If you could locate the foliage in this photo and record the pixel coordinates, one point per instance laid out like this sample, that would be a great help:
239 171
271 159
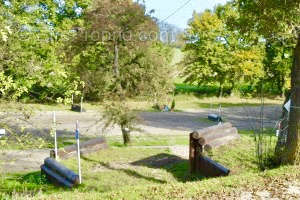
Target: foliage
31 59
278 62
119 113
204 90
17 135
279 21
116 58
215 53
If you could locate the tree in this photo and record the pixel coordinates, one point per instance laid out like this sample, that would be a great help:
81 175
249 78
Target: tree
30 50
277 66
217 54
279 19
116 47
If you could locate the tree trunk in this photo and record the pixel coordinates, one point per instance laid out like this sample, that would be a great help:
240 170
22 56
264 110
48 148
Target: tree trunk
291 155
282 86
125 132
126 135
221 90
232 87
119 88
116 61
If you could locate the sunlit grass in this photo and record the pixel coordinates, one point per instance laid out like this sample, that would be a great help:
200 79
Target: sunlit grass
183 102
135 172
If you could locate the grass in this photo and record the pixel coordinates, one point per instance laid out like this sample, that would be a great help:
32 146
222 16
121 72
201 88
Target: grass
151 140
183 102
194 102
136 172
191 101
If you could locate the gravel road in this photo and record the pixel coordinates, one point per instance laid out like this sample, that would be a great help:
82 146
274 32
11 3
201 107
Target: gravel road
245 118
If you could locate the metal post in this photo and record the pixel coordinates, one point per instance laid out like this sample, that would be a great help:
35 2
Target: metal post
78 150
55 137
72 99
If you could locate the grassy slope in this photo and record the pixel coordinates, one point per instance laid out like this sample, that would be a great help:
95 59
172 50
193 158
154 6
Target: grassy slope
123 173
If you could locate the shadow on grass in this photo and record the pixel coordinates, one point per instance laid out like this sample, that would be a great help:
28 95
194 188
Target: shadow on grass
173 164
129 172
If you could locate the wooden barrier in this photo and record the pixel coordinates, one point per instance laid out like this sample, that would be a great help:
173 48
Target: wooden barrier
87 147
211 168
59 174
211 134
77 108
205 140
215 118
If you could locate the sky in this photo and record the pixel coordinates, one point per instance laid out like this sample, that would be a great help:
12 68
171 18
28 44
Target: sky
164 8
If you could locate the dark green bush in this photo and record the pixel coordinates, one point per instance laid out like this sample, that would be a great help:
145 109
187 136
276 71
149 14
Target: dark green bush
205 90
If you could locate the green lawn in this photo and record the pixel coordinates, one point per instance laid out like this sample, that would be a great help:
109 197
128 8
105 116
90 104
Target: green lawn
194 102
151 140
183 102
137 172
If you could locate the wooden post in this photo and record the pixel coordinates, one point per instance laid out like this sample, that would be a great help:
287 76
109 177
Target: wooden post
196 150
55 136
192 155
78 150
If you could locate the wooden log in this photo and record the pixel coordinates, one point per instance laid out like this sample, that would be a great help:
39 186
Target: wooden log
200 133
211 168
220 142
87 147
219 133
61 170
55 177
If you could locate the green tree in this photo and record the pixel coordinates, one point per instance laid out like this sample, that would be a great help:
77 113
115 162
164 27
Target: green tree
277 65
115 48
279 19
31 36
215 53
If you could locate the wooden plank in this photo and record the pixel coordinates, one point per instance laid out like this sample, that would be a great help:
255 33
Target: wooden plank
211 168
87 147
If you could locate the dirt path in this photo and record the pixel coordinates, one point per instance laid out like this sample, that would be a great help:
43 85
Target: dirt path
21 160
154 122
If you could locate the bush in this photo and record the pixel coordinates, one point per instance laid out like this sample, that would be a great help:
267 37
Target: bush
206 90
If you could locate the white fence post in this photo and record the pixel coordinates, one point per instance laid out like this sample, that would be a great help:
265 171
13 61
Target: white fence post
55 137
81 104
